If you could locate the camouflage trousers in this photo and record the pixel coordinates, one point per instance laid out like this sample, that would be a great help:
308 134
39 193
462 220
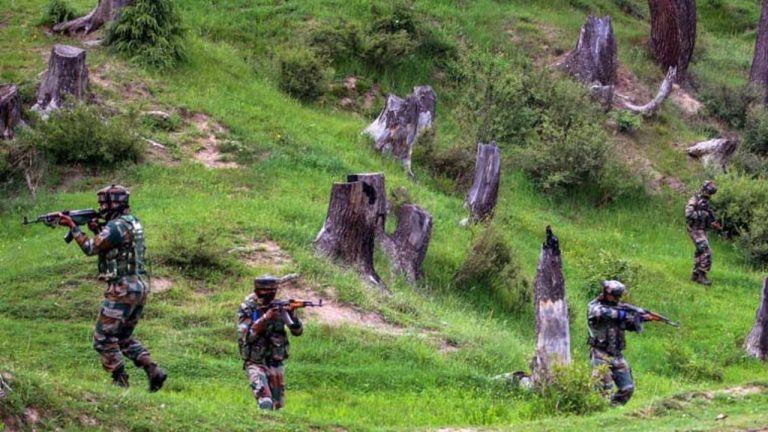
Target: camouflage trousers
120 312
267 384
702 258
613 370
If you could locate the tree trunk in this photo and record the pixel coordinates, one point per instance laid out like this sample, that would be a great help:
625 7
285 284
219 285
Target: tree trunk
595 58
673 33
651 107
398 125
407 247
67 74
104 12
348 233
484 192
379 208
716 151
757 341
10 110
553 338
759 72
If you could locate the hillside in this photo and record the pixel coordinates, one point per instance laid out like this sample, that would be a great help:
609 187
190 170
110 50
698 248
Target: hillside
422 358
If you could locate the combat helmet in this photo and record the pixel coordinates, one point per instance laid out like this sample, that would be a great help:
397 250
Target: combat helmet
111 195
266 283
614 288
708 188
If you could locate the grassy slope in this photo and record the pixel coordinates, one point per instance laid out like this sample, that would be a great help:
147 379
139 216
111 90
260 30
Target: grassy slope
341 376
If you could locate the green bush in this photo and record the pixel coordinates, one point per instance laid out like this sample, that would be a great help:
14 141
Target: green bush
756 130
742 204
627 122
171 123
633 8
572 390
58 11
303 74
150 33
607 266
730 104
681 361
82 135
195 254
492 267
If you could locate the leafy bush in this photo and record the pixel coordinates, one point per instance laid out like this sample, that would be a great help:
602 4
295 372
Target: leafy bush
572 390
82 135
730 104
681 361
627 122
609 267
493 267
195 254
58 11
742 204
170 123
456 163
303 74
149 32
756 130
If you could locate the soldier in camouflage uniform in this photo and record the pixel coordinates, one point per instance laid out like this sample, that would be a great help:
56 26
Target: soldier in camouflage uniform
607 324
264 342
699 217
119 244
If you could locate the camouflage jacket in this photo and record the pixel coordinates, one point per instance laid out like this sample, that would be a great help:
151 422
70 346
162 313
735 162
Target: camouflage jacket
607 325
698 212
120 247
263 341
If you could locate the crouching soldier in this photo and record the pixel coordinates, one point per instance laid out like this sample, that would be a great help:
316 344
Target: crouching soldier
264 341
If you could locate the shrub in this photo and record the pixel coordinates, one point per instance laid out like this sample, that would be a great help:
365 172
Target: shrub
303 74
609 267
756 130
150 33
58 11
681 361
571 390
195 254
730 104
81 135
170 123
492 266
627 122
455 163
742 204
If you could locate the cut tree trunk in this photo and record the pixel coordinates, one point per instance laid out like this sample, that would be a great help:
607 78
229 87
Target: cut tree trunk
759 72
407 247
103 13
595 58
10 110
401 120
379 208
553 338
349 230
482 196
717 152
757 341
673 33
67 74
651 107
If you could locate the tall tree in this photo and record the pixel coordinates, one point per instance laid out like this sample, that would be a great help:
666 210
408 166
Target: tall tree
759 72
673 33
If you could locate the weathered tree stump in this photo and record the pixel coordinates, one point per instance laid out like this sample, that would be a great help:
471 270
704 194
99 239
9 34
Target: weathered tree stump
594 62
651 107
673 33
379 207
759 72
10 110
349 230
757 342
67 74
553 338
396 128
407 246
717 152
104 12
482 196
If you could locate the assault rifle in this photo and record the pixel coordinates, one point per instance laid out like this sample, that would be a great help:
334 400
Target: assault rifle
284 306
648 315
79 217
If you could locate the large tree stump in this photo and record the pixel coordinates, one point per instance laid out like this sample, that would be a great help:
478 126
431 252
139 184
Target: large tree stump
714 152
553 338
349 230
396 128
67 74
104 12
482 196
673 33
379 208
407 246
651 107
759 72
10 109
595 61
757 341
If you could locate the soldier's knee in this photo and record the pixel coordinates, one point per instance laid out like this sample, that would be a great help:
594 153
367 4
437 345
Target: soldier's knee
265 404
623 395
702 247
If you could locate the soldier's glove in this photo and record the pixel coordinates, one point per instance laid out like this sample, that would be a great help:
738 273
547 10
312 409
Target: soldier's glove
716 225
272 314
94 225
66 221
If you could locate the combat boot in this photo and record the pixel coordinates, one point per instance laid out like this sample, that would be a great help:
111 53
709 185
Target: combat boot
120 378
157 377
701 278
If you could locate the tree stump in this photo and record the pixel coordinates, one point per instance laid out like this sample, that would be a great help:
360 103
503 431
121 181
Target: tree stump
349 230
379 207
759 72
67 74
396 128
407 247
595 61
716 151
553 338
757 342
673 33
482 196
10 109
651 107
103 13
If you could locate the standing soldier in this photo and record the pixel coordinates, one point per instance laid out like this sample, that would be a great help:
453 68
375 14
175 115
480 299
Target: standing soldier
264 342
119 244
699 217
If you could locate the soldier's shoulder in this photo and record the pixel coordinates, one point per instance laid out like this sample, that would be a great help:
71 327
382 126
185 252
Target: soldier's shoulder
249 302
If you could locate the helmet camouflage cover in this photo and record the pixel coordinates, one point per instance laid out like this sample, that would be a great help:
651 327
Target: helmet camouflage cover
709 187
266 282
114 194
614 288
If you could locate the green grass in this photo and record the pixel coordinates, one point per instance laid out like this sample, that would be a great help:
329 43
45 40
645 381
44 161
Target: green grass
353 378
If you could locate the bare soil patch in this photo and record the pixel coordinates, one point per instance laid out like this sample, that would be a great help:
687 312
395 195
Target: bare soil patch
208 152
687 103
160 284
263 254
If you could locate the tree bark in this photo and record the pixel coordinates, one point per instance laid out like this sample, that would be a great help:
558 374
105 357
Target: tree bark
349 230
10 110
651 107
398 125
553 338
103 13
716 151
379 208
595 58
67 74
759 72
482 196
757 342
408 246
673 33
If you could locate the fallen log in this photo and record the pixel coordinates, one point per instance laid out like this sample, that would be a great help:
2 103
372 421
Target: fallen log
651 107
717 152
